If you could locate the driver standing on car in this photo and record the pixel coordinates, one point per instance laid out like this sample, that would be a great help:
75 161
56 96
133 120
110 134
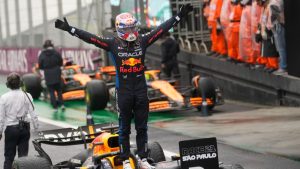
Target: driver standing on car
128 50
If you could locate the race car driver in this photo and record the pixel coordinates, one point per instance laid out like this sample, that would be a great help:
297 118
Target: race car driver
128 50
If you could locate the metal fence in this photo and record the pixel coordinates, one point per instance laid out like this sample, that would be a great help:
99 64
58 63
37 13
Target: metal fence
192 34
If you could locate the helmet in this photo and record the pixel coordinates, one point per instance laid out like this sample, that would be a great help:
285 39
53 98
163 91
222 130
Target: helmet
126 26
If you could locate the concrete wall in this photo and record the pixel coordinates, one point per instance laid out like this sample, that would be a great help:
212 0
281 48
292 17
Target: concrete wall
238 82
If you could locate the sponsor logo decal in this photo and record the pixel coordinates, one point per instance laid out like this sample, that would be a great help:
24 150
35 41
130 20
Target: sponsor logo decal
130 54
199 153
66 136
99 42
155 36
131 61
133 69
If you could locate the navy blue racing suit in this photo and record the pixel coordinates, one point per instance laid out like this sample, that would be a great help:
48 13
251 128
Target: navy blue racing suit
131 88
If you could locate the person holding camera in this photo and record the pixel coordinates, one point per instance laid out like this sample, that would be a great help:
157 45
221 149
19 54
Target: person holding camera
15 106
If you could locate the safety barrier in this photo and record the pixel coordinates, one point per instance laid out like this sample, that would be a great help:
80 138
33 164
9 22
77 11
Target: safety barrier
193 34
237 82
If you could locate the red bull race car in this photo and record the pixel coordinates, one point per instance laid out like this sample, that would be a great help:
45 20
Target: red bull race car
101 151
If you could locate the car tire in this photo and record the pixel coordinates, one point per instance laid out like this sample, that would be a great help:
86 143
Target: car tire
156 152
32 85
31 163
96 94
206 85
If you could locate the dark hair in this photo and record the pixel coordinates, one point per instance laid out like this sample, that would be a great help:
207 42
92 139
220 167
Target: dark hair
13 81
48 43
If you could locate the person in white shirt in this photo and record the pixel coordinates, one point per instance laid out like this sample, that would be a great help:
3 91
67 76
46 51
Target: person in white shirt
15 106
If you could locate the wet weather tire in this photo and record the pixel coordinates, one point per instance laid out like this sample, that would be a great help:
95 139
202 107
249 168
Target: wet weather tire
96 94
156 152
31 163
207 87
32 85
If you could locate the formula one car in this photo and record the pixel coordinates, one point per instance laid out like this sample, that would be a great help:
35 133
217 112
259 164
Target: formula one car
77 83
164 95
101 152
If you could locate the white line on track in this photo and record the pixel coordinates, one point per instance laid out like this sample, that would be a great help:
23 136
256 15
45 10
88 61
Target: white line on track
168 154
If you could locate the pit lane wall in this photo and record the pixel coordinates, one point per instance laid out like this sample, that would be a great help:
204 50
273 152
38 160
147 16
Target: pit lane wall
238 82
22 60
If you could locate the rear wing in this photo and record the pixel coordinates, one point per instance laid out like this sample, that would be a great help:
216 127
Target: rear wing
72 136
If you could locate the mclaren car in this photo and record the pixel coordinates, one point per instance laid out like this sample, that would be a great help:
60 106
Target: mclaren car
77 83
100 151
166 95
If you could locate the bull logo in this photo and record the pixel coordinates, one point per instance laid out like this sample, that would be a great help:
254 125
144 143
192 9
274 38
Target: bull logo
131 61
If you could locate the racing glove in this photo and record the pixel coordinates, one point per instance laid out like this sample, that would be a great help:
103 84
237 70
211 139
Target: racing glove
184 10
64 25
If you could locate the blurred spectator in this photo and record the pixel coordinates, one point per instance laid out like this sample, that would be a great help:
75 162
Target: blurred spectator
234 27
206 8
50 62
265 35
224 18
245 41
15 105
256 13
169 62
217 36
278 29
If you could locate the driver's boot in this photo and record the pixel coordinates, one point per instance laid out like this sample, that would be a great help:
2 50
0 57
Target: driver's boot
126 164
143 164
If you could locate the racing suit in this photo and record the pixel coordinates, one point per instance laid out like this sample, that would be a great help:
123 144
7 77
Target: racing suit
131 88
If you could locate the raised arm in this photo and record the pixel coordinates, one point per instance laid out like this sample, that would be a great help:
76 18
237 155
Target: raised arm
151 37
100 42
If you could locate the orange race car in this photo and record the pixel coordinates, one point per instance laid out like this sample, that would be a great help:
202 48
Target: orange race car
77 83
164 95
